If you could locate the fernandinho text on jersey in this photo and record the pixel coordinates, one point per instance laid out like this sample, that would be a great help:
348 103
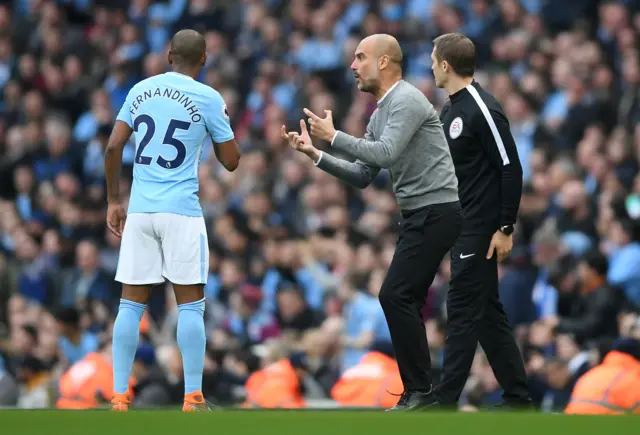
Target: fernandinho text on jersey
173 94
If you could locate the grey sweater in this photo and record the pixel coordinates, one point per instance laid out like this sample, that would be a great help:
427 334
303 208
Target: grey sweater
405 136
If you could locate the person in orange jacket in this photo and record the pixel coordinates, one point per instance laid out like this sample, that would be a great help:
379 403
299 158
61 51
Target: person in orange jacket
278 385
370 383
88 383
613 387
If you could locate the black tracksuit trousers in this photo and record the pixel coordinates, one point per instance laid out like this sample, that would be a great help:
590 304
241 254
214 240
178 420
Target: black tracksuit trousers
428 233
475 315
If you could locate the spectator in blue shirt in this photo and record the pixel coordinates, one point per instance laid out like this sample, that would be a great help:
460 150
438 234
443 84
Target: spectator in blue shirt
87 281
321 52
624 268
72 341
365 323
58 158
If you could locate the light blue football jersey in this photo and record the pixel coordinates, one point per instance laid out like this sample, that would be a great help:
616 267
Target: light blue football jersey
171 114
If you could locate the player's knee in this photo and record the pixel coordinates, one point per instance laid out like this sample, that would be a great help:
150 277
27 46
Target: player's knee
186 294
138 294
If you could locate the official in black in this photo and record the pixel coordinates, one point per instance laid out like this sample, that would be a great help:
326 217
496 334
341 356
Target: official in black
490 185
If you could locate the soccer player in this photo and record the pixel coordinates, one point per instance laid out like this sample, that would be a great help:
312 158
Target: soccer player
165 236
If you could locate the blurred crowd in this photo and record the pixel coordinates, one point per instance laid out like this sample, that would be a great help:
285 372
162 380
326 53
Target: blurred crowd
297 258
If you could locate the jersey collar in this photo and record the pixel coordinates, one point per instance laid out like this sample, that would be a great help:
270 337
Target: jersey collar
177 74
456 96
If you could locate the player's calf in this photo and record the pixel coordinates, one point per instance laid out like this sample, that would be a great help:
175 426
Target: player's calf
192 341
126 334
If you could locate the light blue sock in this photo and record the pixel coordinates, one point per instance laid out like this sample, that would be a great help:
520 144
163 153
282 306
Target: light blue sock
126 333
192 342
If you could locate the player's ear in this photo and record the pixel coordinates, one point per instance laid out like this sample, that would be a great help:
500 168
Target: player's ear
170 58
203 59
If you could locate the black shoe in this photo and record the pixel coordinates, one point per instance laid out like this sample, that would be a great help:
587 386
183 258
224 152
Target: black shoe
415 401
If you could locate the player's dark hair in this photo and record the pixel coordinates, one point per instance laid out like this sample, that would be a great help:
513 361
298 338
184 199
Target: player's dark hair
187 47
458 51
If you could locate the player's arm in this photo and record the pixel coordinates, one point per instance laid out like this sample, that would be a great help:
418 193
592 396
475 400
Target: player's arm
113 165
228 153
219 127
113 159
496 140
405 117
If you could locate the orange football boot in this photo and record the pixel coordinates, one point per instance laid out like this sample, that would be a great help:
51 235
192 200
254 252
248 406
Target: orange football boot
120 402
194 402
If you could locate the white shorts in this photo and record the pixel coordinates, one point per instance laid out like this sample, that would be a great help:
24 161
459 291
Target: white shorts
156 246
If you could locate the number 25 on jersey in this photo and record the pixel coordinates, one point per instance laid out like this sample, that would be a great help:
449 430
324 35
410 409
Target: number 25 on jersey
180 147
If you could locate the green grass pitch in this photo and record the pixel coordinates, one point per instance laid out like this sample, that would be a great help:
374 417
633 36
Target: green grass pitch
308 423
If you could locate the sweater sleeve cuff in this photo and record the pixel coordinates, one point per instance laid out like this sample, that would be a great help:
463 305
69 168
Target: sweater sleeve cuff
341 141
334 137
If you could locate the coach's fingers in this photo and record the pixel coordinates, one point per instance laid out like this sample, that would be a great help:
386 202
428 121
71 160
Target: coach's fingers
301 143
329 114
303 127
285 135
492 248
310 114
312 127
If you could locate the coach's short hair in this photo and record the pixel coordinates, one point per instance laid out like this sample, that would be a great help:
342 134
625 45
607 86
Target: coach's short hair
458 51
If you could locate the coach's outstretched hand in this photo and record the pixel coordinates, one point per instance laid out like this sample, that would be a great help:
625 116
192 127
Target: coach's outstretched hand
301 141
322 128
116 217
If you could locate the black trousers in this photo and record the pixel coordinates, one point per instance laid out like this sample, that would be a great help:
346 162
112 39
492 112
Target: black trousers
475 314
427 235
